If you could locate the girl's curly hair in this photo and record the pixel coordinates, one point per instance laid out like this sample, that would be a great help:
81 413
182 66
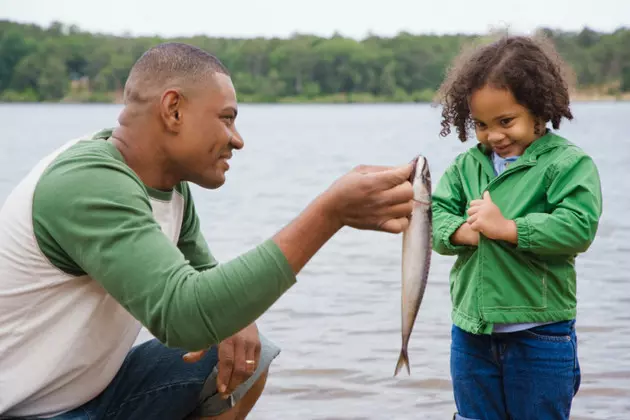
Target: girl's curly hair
529 67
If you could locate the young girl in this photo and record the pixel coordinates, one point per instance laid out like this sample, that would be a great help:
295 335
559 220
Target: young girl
515 209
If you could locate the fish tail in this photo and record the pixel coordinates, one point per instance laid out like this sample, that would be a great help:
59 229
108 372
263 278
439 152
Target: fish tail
403 360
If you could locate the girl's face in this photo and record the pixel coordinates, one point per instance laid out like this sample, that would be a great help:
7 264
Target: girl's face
501 123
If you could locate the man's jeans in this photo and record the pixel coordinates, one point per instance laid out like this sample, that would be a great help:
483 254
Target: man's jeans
531 374
155 383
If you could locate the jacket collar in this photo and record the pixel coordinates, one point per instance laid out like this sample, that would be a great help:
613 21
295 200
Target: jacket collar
545 143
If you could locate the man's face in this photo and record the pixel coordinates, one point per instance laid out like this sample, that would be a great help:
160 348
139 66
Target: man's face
208 133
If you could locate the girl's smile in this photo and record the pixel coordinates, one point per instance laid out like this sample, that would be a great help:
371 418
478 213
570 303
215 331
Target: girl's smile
501 123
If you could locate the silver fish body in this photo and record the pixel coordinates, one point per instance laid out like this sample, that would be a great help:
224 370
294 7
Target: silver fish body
416 254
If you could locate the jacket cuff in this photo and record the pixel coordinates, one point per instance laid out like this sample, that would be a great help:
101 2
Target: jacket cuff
523 232
448 231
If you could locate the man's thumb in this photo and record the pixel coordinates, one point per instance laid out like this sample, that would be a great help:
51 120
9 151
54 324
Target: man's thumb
391 177
486 196
401 173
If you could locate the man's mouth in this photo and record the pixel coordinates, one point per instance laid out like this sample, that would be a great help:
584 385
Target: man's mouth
225 159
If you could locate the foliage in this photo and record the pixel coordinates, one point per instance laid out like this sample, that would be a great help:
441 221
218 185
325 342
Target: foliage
64 63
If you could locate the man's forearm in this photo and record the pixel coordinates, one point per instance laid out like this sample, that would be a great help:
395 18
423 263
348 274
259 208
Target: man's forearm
307 233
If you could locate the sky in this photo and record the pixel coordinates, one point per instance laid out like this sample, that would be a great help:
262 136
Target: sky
351 18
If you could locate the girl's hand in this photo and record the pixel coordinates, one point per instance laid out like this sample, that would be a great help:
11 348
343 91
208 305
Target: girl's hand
486 218
464 235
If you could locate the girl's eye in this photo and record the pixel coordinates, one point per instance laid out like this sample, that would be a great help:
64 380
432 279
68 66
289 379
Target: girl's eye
506 121
480 125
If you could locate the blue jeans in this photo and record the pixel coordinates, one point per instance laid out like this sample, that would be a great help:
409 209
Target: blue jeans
155 383
531 374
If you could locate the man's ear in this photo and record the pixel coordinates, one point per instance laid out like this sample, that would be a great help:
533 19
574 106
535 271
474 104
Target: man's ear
171 110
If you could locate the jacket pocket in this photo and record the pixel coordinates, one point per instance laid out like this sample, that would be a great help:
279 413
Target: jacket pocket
513 280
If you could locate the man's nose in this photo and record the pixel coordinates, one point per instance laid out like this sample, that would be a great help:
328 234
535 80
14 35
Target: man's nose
237 141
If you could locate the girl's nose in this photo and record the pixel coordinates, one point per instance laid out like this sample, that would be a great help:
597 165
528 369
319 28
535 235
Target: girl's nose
495 136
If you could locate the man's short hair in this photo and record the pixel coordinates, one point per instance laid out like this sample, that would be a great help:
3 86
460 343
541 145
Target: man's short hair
169 64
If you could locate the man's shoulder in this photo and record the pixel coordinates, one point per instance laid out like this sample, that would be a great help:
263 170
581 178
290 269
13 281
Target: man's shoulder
85 150
88 166
90 155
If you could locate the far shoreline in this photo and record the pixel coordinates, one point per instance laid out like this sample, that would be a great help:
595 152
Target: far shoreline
339 99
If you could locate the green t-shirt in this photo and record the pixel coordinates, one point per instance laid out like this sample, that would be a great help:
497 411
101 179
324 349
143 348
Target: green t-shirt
92 215
87 253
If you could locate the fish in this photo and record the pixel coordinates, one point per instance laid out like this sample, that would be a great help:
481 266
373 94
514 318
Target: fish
416 254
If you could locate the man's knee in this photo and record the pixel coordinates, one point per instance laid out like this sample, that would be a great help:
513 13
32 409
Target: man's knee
257 389
244 396
242 408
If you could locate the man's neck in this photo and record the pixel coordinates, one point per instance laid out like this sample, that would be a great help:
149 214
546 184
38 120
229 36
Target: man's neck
142 154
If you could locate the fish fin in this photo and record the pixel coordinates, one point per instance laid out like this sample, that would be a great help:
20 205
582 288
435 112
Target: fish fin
403 360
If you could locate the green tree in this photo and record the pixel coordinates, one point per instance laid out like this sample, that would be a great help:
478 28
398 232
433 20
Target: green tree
42 62
625 79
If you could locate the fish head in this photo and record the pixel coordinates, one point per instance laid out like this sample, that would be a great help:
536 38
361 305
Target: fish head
421 178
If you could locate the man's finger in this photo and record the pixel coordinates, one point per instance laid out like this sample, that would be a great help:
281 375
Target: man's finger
367 169
401 193
239 372
395 225
486 196
398 211
225 366
194 356
251 360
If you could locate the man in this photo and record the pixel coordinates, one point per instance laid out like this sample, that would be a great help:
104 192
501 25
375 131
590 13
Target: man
102 237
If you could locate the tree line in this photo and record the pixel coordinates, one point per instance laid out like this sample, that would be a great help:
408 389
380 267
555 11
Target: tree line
63 63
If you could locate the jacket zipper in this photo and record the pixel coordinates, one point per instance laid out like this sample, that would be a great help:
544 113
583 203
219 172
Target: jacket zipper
508 171
480 247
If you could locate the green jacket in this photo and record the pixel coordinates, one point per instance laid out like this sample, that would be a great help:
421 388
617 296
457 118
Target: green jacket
553 194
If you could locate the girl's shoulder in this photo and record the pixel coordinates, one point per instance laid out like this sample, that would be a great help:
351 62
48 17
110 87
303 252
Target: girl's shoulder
559 151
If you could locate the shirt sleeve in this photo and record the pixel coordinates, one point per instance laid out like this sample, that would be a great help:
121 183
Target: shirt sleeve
93 216
448 206
574 193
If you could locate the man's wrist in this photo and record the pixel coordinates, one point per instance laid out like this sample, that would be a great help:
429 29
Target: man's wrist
324 205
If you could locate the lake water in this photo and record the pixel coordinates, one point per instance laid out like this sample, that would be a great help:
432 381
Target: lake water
339 327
